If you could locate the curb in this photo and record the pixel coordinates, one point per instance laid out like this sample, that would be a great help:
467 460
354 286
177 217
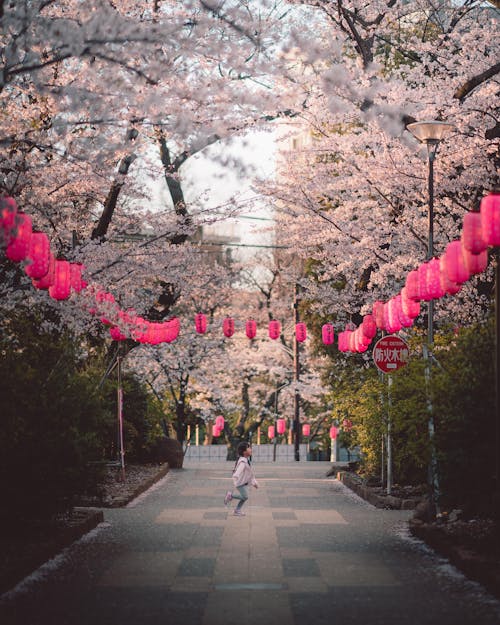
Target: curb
120 502
83 520
475 566
387 502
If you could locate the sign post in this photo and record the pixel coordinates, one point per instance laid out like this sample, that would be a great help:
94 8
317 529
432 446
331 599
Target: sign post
390 353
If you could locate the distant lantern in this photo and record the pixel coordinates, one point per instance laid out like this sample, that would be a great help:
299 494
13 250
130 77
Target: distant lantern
490 219
61 288
173 327
413 286
48 279
378 314
306 429
455 263
20 237
342 342
327 334
333 432
410 307
215 431
108 304
116 334
274 329
38 256
300 332
219 422
251 329
281 426
369 326
228 327
76 277
270 431
434 288
450 287
200 323
472 233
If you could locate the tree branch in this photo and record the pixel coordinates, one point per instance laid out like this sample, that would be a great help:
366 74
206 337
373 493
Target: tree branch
463 91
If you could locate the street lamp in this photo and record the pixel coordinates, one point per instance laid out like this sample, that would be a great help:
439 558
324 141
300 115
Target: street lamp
431 133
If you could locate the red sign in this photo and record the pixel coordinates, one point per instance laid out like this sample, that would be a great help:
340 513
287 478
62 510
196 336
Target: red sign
390 353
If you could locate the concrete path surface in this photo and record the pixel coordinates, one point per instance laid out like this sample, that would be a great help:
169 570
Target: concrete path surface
308 552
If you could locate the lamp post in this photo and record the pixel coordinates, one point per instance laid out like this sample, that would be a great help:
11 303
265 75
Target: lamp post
276 393
296 369
431 133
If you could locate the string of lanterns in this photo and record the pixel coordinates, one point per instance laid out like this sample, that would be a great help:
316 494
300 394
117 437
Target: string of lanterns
433 279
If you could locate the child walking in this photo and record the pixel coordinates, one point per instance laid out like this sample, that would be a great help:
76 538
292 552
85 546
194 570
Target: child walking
242 476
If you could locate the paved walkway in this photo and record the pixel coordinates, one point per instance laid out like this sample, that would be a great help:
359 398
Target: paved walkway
308 552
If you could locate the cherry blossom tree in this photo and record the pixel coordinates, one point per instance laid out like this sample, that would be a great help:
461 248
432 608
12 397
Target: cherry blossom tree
358 202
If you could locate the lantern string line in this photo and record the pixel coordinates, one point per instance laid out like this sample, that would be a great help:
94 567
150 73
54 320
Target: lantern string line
433 279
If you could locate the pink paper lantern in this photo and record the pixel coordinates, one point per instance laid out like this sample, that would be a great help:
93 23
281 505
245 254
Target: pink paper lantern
251 329
38 256
270 432
215 431
422 282
434 288
404 319
219 422
107 304
362 338
306 429
451 288
369 326
76 277
393 324
413 286
333 432
490 219
48 279
410 307
228 327
172 329
274 329
327 334
281 426
475 263
351 338
116 334
300 332
61 287
200 323
472 233
378 314
343 344
455 263
20 237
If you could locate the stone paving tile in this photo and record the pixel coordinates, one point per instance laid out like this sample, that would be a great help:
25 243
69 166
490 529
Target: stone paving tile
300 567
197 567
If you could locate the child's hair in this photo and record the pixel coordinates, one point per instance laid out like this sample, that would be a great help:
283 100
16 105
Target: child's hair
242 447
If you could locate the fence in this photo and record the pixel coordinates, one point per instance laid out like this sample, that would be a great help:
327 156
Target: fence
261 453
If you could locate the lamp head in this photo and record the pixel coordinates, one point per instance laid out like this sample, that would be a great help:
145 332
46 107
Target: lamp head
430 131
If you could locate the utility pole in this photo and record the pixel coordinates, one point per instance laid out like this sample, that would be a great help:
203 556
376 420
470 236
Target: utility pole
296 370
